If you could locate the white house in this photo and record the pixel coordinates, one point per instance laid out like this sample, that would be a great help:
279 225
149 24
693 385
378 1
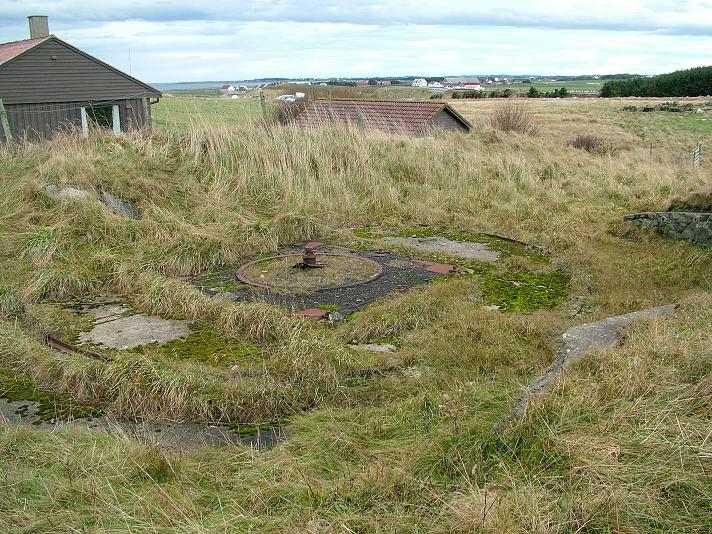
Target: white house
419 82
228 89
435 85
464 82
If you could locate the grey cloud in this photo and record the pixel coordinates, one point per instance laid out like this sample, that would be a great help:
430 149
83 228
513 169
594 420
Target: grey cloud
666 16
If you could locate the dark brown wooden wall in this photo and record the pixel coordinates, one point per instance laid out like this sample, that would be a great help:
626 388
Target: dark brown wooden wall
70 77
35 122
444 120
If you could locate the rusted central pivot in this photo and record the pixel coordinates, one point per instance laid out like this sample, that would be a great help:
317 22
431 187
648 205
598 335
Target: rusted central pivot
309 260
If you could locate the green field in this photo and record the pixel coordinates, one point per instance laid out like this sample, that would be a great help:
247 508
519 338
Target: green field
186 111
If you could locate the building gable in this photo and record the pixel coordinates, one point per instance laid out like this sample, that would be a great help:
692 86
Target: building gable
55 71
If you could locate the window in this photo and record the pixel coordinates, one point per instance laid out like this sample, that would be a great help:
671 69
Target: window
106 117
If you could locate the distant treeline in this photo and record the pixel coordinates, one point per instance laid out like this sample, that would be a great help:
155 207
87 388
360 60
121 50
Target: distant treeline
690 82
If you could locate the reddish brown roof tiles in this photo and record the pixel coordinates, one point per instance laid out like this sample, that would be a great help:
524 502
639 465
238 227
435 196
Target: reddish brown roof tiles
405 117
15 48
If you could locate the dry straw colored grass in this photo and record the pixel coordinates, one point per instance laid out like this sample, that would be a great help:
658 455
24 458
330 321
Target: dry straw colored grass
621 444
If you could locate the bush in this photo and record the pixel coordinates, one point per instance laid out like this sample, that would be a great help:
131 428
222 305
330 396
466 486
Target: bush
285 112
589 143
512 118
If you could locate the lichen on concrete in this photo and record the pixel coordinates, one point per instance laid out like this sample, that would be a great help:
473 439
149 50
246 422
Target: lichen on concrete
135 330
688 226
437 244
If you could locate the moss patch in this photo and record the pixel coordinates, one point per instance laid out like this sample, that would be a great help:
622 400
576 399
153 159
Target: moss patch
59 320
16 387
206 345
525 292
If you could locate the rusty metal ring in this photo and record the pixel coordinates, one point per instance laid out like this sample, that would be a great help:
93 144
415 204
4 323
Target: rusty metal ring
240 273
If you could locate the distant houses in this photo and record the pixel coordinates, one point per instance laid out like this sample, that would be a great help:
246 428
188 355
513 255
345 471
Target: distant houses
463 82
228 89
419 82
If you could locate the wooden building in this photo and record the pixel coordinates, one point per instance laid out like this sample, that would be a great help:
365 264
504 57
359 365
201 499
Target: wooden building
47 85
413 118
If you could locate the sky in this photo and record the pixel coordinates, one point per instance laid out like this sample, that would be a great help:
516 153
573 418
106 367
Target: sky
193 40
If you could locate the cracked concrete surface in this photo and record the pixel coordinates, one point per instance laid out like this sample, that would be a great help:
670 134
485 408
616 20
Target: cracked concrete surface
464 249
580 340
116 326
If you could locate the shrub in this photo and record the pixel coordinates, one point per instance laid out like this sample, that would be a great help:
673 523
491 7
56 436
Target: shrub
285 112
512 118
589 143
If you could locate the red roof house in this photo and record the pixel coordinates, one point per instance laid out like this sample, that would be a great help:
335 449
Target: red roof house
403 117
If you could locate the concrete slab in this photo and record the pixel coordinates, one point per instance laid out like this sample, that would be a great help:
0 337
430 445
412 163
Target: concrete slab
136 330
374 347
579 341
463 249
108 312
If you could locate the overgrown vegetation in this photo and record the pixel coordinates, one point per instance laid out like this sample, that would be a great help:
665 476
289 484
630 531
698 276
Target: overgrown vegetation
410 440
589 143
512 118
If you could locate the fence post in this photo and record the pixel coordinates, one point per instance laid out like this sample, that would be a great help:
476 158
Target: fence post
147 120
263 105
697 155
9 141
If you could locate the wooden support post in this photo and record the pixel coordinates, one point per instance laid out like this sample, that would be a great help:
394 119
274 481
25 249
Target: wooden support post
146 113
9 141
116 119
263 105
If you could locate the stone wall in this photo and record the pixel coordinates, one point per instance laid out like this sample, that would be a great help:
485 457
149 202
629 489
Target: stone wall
693 227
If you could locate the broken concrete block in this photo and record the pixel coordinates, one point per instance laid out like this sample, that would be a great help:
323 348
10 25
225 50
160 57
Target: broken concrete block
118 205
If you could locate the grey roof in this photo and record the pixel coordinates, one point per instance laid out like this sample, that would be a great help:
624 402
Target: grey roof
463 79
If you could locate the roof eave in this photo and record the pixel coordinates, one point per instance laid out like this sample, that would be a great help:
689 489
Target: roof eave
459 117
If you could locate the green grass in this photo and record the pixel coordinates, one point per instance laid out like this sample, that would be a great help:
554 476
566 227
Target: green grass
667 123
573 86
184 112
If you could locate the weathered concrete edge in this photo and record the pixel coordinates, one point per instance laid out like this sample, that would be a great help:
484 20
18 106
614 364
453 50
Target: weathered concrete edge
578 341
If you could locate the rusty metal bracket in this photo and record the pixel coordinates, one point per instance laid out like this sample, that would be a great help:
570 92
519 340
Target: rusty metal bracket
309 260
63 346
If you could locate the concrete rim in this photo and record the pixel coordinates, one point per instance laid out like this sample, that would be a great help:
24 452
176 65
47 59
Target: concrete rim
240 273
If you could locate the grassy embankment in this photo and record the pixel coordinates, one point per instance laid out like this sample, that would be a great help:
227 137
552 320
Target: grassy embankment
621 444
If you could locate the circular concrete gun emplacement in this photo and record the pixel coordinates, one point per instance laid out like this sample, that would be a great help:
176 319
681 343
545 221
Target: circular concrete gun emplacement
309 272
323 281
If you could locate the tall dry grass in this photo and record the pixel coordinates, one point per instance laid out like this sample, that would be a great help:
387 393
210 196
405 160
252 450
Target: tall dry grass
621 444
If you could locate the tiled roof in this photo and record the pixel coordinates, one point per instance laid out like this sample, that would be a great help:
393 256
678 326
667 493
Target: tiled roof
15 48
395 117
